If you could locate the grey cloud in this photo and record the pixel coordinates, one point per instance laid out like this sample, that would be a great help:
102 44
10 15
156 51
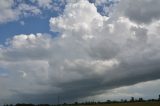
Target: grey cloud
90 56
100 51
141 11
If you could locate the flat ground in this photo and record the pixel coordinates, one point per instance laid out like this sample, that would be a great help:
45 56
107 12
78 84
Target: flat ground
129 104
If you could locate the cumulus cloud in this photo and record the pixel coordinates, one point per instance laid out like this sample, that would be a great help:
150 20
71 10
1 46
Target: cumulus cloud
7 14
141 11
77 20
45 3
92 54
11 11
14 10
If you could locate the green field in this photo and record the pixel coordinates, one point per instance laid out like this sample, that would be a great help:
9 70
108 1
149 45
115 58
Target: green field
129 104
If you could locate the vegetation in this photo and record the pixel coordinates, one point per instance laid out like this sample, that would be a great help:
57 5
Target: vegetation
131 102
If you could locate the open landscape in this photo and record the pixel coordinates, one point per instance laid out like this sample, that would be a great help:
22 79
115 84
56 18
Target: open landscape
129 104
79 52
157 103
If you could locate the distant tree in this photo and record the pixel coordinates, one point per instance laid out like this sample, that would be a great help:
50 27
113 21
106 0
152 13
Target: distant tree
76 103
125 101
132 99
140 100
159 98
24 104
108 101
64 103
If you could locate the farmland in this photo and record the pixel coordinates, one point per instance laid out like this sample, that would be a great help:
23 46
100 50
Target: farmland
128 104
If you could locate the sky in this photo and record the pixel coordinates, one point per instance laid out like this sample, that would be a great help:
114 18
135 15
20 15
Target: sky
79 50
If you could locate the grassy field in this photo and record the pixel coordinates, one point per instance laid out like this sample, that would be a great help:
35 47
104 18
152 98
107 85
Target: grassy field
129 104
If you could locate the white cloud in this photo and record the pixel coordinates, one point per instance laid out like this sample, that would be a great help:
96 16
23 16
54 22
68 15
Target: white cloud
14 10
26 9
6 11
76 19
92 54
45 3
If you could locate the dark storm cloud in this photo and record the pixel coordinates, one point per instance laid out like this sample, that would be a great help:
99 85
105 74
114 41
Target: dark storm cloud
93 54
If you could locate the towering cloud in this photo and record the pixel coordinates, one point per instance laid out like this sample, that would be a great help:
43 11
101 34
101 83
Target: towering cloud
92 54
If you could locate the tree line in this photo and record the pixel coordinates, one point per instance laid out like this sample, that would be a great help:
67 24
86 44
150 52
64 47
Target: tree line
90 102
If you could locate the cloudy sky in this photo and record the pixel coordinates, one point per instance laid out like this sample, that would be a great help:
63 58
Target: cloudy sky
79 50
